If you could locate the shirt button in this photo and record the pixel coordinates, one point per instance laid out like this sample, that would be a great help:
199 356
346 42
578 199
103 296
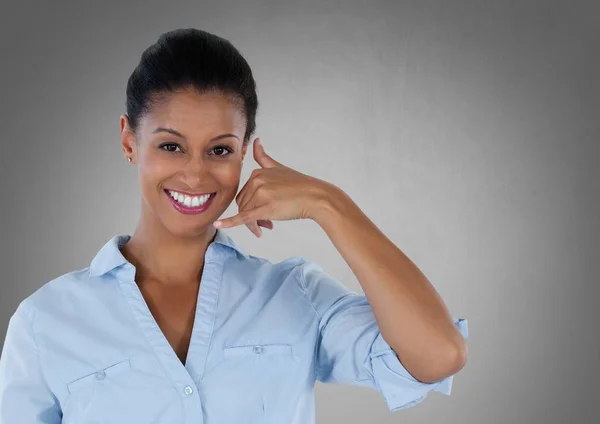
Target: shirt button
257 349
100 375
188 390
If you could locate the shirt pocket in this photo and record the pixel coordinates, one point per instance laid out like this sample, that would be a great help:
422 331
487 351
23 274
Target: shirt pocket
99 376
258 350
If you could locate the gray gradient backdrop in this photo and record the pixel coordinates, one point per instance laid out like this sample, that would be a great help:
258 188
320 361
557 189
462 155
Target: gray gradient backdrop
466 130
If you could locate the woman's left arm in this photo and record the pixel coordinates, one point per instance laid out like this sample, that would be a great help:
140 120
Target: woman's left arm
411 315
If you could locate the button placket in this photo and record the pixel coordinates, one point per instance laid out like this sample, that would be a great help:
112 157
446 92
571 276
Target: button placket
182 376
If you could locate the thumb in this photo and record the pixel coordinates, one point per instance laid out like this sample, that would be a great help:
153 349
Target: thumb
261 157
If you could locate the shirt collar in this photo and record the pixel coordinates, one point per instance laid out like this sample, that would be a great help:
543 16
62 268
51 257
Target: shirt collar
110 257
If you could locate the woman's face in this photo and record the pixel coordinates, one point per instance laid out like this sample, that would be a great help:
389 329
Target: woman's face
205 157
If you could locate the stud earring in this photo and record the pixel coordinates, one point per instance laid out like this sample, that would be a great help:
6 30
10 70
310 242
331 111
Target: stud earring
129 160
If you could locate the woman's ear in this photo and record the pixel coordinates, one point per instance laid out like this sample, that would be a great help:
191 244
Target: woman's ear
244 150
127 137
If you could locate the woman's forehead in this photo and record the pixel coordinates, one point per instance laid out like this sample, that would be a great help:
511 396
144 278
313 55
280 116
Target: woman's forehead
195 112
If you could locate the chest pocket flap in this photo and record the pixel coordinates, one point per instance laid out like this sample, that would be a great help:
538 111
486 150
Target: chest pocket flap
258 350
99 376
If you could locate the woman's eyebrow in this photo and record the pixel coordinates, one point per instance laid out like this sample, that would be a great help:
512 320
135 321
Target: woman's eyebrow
178 134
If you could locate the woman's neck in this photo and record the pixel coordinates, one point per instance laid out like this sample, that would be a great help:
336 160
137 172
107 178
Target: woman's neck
162 257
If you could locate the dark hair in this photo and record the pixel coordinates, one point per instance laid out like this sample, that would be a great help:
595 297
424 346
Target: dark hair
191 58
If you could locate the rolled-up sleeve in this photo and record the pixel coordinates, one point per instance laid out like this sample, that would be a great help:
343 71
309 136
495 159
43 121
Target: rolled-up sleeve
350 348
24 395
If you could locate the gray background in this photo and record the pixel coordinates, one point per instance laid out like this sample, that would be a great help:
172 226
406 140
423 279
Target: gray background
466 130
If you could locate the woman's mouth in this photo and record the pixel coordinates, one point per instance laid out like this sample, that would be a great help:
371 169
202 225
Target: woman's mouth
189 204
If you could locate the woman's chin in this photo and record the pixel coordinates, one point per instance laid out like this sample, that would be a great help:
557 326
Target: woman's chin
190 228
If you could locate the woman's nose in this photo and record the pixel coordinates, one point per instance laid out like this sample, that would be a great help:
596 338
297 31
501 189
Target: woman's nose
196 172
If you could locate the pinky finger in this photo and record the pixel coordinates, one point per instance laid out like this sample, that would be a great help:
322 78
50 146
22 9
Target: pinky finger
266 223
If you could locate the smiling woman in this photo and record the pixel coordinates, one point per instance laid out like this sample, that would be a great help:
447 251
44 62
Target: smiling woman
177 324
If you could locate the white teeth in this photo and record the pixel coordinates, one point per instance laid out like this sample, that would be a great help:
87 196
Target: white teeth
189 201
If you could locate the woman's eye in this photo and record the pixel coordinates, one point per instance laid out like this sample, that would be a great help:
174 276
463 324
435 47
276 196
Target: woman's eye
171 147
221 148
168 144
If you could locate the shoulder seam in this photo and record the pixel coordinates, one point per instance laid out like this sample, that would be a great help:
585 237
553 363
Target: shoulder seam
26 310
303 288
301 283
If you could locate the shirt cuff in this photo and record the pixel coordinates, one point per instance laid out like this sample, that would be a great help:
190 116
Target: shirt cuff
400 389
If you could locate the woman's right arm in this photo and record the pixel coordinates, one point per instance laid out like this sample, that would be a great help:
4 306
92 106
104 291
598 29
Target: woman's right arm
25 398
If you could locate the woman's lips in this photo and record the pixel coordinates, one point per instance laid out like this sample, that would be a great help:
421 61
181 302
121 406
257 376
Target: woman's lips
191 209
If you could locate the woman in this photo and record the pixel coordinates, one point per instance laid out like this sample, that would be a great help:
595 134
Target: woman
177 324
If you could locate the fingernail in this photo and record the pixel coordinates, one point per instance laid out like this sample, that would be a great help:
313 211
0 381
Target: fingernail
217 223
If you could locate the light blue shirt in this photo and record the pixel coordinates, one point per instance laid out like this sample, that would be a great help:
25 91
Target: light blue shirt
85 348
